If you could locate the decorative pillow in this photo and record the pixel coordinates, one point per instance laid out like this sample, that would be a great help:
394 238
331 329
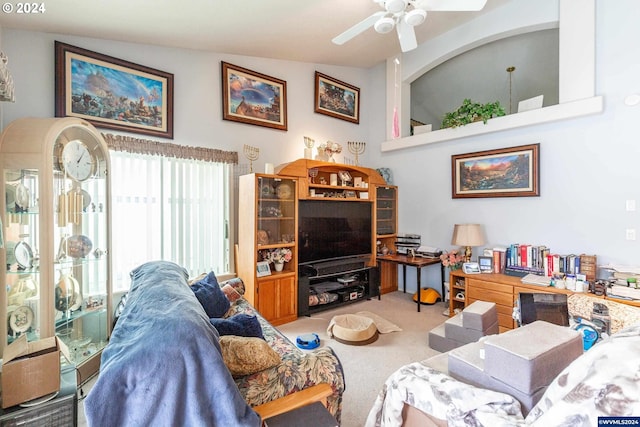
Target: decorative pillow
210 295
245 356
231 293
242 325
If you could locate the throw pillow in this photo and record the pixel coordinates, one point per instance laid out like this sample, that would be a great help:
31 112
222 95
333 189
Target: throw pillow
210 295
242 325
231 293
245 356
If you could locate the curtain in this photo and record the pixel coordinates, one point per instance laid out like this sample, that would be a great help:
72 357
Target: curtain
170 208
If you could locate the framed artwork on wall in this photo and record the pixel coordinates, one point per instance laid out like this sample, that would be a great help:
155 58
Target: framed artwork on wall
112 93
505 172
336 99
253 98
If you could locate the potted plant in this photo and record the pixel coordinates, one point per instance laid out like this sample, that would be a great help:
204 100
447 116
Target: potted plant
278 257
470 112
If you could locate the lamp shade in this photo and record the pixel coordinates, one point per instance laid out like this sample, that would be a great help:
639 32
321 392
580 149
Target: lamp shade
467 235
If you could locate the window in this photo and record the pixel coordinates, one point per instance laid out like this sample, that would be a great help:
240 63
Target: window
171 209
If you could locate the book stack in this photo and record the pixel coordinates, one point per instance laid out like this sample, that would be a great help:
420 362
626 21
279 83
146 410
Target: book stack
519 259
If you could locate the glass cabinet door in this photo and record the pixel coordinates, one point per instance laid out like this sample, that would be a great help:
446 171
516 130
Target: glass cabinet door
55 226
386 211
276 220
80 244
21 240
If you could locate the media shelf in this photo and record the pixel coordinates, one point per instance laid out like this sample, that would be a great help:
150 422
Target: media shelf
332 286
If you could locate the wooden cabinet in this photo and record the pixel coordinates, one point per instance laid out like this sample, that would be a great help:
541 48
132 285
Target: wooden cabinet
500 289
386 223
277 298
56 223
268 223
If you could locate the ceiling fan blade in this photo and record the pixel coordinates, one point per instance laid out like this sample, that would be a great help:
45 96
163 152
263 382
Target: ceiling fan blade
450 5
358 28
407 36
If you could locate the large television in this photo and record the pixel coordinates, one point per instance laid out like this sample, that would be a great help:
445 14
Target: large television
333 229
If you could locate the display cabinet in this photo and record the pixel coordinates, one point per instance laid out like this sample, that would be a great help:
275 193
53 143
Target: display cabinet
386 223
267 232
56 228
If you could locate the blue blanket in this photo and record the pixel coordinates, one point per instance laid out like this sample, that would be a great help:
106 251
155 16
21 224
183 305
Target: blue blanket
163 366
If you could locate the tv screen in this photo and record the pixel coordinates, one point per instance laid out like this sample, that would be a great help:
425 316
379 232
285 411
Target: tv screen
331 229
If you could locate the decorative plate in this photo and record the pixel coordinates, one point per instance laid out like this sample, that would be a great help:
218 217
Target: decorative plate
23 196
10 196
21 319
23 255
386 175
39 400
284 191
78 246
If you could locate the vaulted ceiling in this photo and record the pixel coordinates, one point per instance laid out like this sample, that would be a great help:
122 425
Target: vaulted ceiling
297 30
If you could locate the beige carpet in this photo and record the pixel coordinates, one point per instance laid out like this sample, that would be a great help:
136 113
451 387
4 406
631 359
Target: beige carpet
367 367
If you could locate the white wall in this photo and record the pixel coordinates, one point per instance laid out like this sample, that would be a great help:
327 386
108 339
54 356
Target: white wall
197 100
588 167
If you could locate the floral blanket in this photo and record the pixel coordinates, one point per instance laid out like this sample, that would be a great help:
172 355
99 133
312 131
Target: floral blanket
297 371
604 381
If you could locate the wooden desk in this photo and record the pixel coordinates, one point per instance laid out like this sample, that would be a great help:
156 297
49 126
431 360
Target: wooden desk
418 263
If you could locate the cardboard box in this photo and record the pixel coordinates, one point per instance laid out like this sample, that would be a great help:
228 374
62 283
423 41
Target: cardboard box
31 369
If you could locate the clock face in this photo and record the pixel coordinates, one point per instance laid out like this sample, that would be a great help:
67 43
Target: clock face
77 161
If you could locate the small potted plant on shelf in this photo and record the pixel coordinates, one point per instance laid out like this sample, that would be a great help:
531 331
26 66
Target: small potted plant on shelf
278 257
470 112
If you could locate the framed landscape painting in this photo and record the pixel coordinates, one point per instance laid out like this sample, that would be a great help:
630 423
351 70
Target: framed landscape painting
505 172
337 99
253 98
112 93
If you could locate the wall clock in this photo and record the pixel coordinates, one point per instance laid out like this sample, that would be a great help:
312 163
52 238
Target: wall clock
77 161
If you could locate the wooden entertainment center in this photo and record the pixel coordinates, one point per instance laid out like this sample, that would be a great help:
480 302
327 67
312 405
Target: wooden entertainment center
498 288
269 220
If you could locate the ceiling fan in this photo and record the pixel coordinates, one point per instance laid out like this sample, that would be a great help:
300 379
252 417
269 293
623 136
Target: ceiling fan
404 15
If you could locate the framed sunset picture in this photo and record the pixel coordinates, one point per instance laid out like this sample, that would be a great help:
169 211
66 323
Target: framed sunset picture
505 172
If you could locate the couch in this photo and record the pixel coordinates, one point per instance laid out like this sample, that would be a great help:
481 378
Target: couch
603 381
166 364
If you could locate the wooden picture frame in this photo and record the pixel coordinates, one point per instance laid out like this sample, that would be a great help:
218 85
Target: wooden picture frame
505 172
112 93
336 98
253 98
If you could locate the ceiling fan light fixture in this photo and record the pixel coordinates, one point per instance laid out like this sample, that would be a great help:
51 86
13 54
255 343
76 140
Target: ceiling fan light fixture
384 25
415 17
395 6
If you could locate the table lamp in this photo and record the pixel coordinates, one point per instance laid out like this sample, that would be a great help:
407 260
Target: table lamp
467 235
